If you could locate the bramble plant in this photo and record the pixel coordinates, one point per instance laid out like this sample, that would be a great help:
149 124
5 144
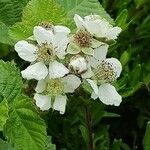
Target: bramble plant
68 72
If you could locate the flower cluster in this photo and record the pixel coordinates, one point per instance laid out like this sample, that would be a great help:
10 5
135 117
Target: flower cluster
61 60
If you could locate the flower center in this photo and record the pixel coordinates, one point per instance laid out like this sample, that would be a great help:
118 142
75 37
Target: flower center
105 73
83 38
54 87
46 25
46 54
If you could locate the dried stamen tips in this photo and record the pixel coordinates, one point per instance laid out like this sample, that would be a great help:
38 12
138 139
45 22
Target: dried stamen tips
45 53
105 73
83 38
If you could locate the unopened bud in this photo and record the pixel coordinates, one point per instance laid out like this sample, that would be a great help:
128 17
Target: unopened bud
78 64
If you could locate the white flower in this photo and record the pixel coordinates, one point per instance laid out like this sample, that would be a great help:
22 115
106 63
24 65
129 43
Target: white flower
106 93
97 26
83 41
78 64
51 92
50 45
103 75
93 61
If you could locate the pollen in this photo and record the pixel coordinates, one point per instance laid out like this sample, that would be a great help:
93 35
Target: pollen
105 73
54 87
83 38
46 25
45 54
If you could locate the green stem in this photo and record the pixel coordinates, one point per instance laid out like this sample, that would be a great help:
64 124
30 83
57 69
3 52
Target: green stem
89 126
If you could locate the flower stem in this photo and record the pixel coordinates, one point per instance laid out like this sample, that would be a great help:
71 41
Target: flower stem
89 126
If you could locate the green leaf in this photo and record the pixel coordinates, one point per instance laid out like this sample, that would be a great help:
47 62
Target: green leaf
83 8
84 133
35 13
125 57
119 145
4 109
86 86
4 36
139 3
146 141
10 80
11 11
146 79
6 146
49 145
122 18
24 127
135 75
101 138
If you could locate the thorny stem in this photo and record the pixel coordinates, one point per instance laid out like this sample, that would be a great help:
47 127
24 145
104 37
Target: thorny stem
89 126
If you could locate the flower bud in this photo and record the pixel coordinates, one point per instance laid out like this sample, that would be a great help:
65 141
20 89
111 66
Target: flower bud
78 64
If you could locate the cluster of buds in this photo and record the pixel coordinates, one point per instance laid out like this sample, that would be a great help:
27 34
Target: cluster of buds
61 60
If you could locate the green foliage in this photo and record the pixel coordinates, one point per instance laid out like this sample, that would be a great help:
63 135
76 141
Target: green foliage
114 128
10 80
6 146
146 141
119 145
4 37
35 13
11 11
101 138
4 109
139 3
125 57
84 133
122 19
50 11
49 145
24 127
83 8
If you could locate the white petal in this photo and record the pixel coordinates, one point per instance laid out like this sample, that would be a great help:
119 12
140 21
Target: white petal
26 51
71 82
79 21
87 74
101 52
116 65
60 103
60 44
108 95
37 71
113 33
43 101
57 70
92 27
93 62
40 86
61 29
93 85
97 27
92 17
42 35
94 96
95 43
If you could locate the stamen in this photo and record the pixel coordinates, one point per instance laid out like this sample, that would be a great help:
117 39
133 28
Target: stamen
45 53
83 38
105 73
54 87
46 25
